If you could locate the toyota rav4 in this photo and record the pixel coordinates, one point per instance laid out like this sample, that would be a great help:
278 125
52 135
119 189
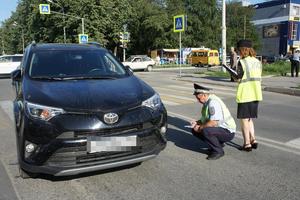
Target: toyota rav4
78 109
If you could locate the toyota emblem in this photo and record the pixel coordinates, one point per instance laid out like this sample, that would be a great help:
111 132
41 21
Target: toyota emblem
111 118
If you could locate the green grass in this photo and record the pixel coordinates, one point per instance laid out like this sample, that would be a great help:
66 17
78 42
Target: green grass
280 68
214 74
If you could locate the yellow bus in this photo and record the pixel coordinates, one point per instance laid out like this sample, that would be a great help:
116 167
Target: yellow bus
204 57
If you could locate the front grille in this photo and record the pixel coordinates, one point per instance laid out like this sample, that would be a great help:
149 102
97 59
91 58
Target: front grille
108 131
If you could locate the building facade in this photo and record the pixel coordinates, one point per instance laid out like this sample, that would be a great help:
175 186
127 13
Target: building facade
278 25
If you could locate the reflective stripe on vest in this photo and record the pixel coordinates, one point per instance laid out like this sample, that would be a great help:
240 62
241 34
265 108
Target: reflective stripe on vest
227 122
247 71
249 88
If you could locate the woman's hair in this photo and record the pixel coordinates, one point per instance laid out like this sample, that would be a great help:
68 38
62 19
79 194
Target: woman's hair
245 51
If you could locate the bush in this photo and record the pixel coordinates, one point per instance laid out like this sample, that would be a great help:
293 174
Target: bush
277 68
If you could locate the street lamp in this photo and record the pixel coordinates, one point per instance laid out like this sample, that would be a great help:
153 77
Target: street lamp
23 41
63 11
64 14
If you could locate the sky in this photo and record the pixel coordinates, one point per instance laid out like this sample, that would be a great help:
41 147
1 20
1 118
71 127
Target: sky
8 6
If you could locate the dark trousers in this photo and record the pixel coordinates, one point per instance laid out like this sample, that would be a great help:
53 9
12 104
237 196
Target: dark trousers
214 137
295 67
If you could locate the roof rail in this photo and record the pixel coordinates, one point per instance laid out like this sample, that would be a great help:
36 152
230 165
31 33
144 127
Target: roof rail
97 44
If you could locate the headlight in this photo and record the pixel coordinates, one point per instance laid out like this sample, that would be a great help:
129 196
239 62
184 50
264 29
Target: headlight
153 102
42 112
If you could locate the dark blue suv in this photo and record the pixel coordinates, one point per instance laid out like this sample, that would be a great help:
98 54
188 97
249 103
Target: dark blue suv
78 109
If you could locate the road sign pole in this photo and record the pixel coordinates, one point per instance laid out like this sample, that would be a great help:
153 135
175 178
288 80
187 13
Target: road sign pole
179 54
82 20
179 26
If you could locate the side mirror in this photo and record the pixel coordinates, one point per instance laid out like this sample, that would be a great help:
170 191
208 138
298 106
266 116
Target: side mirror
16 75
129 69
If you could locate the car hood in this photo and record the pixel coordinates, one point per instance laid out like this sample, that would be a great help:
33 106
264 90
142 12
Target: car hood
89 95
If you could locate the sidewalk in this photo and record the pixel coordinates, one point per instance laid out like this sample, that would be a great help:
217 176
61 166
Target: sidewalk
284 85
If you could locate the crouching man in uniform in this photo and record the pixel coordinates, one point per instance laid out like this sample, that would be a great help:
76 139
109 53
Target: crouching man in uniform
216 124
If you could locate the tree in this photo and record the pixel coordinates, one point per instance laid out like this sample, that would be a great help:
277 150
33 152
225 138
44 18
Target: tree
237 17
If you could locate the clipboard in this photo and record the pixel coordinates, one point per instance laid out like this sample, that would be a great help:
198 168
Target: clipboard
231 71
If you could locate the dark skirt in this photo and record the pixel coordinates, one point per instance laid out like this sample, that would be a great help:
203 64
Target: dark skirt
247 110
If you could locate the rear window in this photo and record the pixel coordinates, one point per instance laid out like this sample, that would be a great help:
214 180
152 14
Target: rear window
74 63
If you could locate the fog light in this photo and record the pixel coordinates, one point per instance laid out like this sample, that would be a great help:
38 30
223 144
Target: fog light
29 148
163 130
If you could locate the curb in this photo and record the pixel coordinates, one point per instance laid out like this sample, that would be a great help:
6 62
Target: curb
280 90
289 91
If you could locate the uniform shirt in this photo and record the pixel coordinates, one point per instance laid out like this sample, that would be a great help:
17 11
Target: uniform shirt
296 56
216 114
215 110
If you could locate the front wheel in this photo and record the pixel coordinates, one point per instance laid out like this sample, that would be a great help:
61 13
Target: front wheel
149 68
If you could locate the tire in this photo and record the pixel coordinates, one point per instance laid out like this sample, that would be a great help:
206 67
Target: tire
149 68
25 175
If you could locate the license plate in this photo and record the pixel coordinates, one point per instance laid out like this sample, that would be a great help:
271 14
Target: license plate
103 144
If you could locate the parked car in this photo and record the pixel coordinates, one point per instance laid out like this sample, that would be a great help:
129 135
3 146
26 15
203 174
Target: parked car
140 62
78 109
9 63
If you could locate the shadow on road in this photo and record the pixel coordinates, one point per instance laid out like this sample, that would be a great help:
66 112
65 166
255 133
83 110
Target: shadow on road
183 138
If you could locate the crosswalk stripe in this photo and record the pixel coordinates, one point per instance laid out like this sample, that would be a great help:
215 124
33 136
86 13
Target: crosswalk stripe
170 103
175 100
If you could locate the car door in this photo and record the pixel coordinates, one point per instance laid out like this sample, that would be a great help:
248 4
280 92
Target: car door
136 63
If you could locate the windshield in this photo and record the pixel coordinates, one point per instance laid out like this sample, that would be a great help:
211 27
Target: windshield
75 64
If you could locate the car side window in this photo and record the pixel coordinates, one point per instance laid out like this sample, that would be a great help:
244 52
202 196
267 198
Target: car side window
146 59
137 60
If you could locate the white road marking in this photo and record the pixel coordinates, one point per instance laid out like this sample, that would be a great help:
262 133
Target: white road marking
179 97
166 102
295 142
295 145
7 106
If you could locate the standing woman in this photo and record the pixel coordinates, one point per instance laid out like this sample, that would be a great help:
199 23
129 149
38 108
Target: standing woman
248 92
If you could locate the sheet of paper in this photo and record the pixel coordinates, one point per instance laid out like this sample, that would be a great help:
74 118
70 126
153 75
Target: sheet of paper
231 71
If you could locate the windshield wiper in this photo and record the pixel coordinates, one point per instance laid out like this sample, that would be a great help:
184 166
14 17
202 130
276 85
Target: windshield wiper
87 77
47 78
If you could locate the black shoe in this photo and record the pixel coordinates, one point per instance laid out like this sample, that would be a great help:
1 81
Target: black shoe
254 144
222 144
246 147
215 156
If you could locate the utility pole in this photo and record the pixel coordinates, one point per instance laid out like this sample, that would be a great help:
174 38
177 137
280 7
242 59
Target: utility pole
223 34
123 43
245 26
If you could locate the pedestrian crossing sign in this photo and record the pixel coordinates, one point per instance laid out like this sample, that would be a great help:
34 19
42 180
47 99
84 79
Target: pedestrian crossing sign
45 9
83 38
179 23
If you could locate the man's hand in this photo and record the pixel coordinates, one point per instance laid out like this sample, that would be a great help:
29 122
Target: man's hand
193 124
197 128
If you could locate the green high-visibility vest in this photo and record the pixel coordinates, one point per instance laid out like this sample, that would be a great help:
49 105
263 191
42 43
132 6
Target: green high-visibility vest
249 88
227 122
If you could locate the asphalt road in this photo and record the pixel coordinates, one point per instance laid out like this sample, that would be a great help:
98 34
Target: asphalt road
181 171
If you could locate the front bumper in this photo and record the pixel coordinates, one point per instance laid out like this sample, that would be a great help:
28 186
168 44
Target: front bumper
62 149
